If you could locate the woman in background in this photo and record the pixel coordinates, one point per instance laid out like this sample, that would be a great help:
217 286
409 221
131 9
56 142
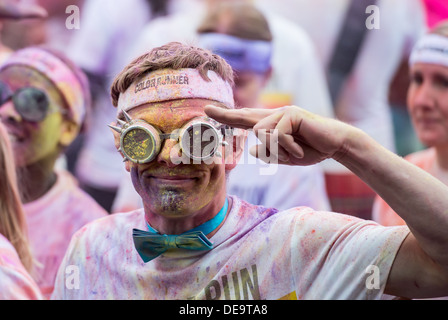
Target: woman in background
427 102
44 100
15 256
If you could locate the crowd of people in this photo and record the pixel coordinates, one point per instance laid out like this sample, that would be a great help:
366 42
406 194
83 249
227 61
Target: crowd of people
254 149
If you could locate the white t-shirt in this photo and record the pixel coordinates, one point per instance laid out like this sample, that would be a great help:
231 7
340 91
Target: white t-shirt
52 220
258 253
15 281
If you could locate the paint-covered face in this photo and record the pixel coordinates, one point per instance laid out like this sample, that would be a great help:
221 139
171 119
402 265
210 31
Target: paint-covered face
177 190
428 103
32 141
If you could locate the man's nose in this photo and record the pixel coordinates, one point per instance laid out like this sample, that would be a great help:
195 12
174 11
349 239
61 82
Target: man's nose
170 153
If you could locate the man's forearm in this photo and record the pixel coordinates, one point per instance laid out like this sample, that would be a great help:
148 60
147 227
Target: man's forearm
420 199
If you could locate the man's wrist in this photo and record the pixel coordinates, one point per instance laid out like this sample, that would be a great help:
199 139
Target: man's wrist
356 151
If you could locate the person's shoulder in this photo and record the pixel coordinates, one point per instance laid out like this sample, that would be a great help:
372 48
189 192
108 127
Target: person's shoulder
325 220
245 208
78 198
111 225
5 244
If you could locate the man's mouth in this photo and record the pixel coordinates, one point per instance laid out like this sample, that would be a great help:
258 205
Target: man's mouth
173 179
170 177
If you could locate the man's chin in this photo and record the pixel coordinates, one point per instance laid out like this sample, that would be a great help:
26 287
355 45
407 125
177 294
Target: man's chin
170 202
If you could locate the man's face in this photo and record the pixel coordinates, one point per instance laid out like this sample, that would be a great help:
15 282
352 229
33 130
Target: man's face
176 190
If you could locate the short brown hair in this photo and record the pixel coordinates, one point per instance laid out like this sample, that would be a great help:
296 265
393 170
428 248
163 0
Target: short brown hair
242 20
173 55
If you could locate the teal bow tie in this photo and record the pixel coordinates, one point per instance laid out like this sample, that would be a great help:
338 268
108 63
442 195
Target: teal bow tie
151 244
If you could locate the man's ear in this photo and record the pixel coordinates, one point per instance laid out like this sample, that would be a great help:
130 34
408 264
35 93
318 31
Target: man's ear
127 165
69 132
234 150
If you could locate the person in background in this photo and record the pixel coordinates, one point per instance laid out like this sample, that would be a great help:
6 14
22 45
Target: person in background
16 260
240 34
44 101
11 10
427 102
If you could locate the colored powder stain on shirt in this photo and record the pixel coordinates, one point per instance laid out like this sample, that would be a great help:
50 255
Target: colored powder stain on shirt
15 281
52 220
291 261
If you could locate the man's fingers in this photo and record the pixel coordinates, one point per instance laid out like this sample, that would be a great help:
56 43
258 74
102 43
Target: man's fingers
239 118
290 145
283 126
287 128
270 147
259 151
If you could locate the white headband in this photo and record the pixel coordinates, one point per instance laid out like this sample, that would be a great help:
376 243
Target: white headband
241 54
170 84
432 48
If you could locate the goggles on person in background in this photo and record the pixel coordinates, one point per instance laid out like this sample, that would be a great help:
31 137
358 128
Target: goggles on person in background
31 103
59 73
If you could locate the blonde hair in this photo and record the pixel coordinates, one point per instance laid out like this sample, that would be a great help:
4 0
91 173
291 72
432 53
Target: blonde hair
12 216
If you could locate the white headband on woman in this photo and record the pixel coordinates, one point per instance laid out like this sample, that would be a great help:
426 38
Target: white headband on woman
169 84
59 74
431 48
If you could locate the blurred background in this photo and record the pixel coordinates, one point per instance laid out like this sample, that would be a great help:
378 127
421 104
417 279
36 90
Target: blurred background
366 51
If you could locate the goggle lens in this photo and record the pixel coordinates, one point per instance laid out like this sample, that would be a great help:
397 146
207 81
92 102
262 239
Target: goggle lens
139 145
202 141
141 142
31 104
